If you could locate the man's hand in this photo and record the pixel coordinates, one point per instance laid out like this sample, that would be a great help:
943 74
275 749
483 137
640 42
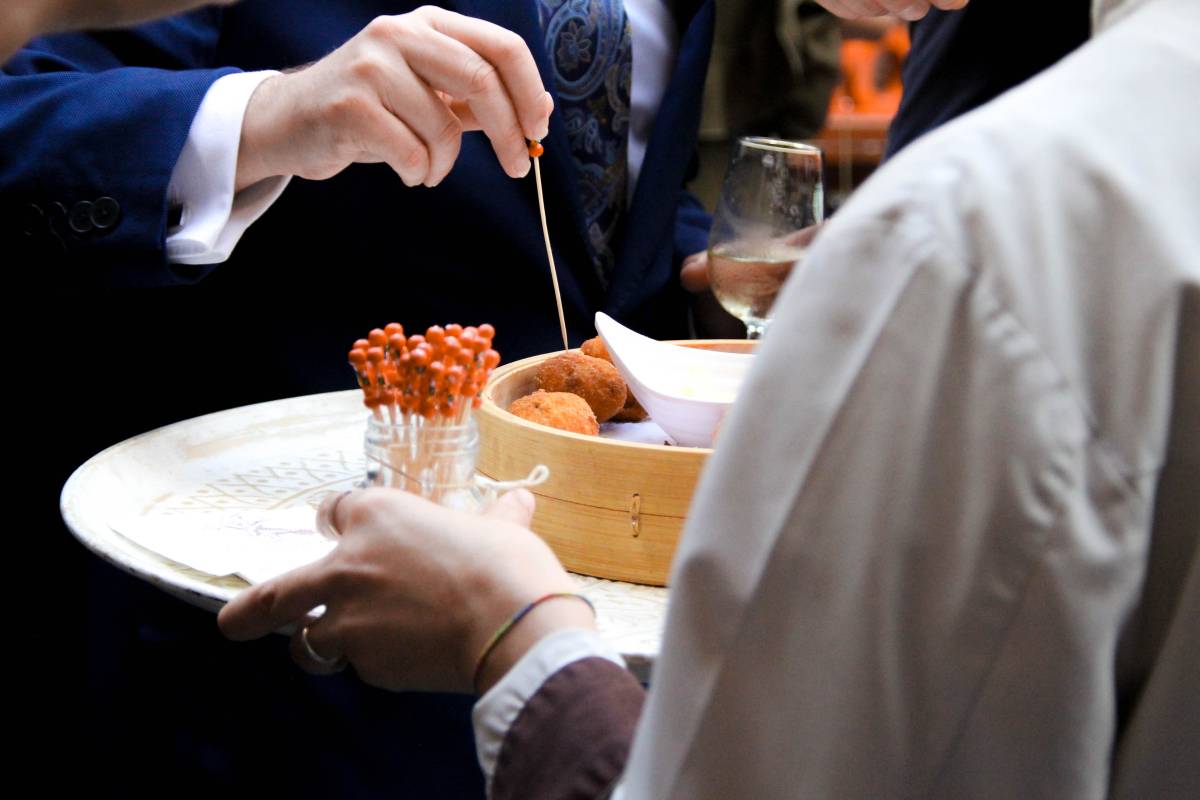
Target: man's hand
402 91
905 9
693 272
414 591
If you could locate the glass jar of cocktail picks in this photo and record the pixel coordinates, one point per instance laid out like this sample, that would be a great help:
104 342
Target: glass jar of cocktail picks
421 436
436 461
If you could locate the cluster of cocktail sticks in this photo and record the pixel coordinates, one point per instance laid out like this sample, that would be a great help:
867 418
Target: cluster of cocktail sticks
436 378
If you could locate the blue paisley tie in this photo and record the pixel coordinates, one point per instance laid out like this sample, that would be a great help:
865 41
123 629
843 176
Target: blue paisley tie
589 44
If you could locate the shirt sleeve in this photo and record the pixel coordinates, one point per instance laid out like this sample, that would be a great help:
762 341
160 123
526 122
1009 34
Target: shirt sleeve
538 673
213 216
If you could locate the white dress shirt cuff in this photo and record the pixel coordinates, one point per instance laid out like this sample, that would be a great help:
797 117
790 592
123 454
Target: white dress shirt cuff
214 217
496 710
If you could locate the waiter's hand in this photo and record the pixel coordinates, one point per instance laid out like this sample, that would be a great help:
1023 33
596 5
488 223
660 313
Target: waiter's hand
402 92
905 9
414 591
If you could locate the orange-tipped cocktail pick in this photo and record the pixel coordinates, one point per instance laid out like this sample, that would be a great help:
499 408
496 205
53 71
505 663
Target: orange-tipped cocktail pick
535 152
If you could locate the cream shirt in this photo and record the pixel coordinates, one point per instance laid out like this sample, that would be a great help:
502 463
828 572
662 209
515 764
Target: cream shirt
947 546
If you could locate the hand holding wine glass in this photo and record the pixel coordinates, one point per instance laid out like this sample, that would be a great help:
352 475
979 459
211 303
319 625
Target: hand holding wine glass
770 208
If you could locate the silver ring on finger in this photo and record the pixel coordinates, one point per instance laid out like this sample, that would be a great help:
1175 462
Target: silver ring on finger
334 664
325 514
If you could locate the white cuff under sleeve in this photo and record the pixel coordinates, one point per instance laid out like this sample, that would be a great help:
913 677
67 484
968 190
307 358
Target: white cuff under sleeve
496 710
213 216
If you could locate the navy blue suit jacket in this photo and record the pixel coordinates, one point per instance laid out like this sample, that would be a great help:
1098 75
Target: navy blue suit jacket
106 114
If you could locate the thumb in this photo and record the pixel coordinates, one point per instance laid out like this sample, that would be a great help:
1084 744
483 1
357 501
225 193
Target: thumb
515 506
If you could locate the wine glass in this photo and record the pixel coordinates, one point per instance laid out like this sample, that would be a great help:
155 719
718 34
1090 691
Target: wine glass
771 205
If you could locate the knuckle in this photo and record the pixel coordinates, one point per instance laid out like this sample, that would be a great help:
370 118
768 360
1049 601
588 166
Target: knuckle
378 509
510 47
481 77
366 68
267 599
348 105
383 28
451 132
366 508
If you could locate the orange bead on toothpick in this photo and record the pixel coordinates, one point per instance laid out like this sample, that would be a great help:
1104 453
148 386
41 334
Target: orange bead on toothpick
372 391
358 362
423 380
397 346
535 148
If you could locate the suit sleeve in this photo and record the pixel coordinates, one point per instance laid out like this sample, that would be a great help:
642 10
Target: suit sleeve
692 222
91 126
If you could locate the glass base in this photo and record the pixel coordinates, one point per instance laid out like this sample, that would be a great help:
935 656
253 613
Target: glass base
755 328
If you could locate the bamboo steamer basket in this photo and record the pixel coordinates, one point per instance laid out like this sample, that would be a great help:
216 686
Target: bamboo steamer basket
610 509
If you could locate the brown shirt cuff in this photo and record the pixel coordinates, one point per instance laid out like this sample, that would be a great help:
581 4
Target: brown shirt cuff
572 738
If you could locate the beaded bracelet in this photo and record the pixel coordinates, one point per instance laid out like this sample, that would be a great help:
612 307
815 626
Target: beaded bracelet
503 630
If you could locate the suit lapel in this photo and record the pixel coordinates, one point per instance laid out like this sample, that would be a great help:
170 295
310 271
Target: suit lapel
672 146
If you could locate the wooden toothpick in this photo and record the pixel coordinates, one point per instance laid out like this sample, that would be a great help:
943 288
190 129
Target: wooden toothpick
535 150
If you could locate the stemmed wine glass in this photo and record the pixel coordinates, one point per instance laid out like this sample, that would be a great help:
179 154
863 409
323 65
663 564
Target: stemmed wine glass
771 205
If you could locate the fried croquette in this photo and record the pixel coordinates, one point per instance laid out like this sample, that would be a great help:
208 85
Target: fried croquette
595 348
594 379
562 410
632 411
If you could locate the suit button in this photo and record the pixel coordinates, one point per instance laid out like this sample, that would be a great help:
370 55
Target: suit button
56 218
105 213
33 220
80 219
56 221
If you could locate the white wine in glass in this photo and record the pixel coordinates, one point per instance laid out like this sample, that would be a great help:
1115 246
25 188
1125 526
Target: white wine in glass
770 208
